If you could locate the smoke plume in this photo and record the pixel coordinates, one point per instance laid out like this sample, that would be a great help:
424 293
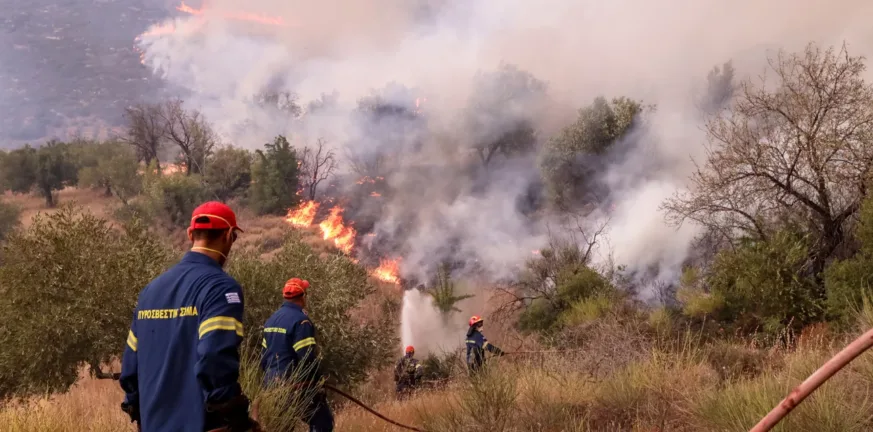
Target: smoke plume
398 51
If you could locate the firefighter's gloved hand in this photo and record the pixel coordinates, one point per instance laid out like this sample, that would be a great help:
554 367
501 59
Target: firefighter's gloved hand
235 413
132 411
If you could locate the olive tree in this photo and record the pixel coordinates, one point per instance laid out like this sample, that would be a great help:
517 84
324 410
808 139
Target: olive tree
68 286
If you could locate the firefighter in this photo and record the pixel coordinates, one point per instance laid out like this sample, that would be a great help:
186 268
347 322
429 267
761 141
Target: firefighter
289 349
477 344
180 368
407 373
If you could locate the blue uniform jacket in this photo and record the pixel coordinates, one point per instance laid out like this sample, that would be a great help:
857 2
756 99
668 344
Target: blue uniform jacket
183 346
289 346
476 346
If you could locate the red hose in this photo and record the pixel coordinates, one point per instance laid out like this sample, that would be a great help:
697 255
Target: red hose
849 353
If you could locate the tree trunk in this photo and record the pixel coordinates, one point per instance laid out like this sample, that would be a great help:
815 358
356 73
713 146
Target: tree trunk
49 199
108 191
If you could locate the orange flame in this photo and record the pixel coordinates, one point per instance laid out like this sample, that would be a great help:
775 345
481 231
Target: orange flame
375 194
159 29
388 271
333 229
303 215
242 16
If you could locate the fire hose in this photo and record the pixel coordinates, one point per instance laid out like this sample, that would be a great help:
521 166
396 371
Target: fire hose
799 393
371 410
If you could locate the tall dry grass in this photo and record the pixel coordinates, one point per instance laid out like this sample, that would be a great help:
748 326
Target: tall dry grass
682 384
91 405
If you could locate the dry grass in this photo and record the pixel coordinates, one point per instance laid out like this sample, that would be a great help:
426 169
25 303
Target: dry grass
91 405
677 390
97 203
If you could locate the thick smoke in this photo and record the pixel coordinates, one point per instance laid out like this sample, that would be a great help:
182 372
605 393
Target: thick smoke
441 209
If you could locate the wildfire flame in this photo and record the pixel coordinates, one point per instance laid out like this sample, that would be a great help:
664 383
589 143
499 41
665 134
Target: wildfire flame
375 194
159 29
169 28
388 270
241 16
303 215
333 229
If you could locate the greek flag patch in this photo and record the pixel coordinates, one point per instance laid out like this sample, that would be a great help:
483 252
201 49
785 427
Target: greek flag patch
232 297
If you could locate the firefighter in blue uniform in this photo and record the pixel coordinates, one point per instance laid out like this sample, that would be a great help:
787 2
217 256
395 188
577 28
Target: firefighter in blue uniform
290 352
477 344
180 367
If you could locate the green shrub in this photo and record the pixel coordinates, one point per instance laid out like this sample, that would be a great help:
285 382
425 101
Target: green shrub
10 216
586 310
68 286
275 179
351 350
567 291
173 197
765 285
848 281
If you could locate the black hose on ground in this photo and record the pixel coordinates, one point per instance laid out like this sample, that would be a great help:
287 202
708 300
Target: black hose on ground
371 410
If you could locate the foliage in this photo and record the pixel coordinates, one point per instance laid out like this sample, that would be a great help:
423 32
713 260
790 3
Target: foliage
228 172
112 167
146 131
68 284
10 216
44 170
173 197
190 132
720 89
848 281
694 300
766 284
3 156
792 152
501 111
281 404
444 294
556 281
18 171
567 160
275 178
350 350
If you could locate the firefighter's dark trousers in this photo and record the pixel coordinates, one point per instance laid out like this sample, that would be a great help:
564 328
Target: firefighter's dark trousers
318 415
404 389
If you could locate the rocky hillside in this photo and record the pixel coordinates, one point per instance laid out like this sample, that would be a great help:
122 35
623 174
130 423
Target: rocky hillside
68 67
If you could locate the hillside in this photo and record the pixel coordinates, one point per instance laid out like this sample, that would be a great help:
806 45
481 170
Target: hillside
68 68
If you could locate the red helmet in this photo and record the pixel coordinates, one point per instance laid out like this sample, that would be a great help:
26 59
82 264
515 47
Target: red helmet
475 319
294 288
410 349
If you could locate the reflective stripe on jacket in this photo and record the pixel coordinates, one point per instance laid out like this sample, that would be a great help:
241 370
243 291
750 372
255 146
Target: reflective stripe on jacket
182 349
289 346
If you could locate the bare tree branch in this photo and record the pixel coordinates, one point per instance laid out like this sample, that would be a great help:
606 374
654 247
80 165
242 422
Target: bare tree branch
317 164
797 152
